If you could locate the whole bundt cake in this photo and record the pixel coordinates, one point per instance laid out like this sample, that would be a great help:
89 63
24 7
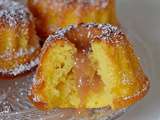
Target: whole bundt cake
19 43
88 66
51 14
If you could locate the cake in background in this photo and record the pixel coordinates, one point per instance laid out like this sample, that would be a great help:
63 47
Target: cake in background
88 66
19 43
51 14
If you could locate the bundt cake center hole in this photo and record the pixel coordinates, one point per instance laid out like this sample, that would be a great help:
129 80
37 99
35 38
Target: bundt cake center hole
79 37
85 72
86 76
83 46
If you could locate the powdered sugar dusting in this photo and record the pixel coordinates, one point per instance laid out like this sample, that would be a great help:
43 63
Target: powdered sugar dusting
108 32
21 52
60 33
21 68
144 89
13 13
36 82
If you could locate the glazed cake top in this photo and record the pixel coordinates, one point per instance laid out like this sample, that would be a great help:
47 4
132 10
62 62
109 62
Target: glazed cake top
13 13
107 32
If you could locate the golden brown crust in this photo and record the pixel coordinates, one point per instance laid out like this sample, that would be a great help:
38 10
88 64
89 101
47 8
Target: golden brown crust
127 101
28 60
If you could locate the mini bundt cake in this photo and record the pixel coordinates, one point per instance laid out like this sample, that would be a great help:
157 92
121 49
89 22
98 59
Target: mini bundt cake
51 14
19 43
88 66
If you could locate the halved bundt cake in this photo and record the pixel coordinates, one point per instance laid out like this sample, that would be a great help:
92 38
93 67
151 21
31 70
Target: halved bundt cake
88 66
